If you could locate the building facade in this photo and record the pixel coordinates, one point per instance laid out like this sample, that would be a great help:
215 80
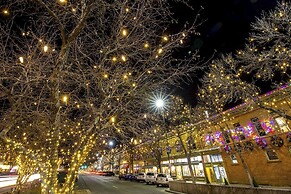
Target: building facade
245 139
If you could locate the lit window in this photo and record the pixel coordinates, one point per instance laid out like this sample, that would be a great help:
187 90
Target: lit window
233 159
282 124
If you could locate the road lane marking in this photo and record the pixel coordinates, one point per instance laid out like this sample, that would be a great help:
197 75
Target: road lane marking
115 187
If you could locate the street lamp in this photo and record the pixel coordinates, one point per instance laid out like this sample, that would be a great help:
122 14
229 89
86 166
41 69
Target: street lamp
160 106
160 103
110 143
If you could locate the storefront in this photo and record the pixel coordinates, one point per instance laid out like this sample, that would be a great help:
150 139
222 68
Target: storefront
214 168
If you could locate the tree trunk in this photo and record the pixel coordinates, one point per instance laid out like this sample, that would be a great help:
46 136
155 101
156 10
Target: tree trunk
188 156
241 158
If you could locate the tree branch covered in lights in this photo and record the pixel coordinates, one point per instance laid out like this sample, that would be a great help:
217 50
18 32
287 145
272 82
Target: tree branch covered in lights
73 72
235 78
267 54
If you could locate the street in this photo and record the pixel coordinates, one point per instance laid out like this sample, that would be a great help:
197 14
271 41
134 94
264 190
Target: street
7 181
112 185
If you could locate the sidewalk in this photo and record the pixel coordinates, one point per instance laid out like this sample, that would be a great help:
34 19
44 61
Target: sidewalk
236 185
81 187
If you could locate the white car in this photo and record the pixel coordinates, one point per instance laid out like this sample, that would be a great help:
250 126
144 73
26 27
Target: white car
163 179
141 176
151 178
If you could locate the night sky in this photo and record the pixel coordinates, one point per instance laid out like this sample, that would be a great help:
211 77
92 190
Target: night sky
225 30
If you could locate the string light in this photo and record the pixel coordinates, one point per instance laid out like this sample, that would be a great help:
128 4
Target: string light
112 119
63 1
45 48
124 32
5 11
165 38
114 59
65 98
123 58
21 59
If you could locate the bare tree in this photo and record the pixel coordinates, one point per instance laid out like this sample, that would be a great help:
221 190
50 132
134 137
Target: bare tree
177 119
266 57
74 71
267 52
235 78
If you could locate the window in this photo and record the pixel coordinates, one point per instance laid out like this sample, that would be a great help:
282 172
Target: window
272 155
181 160
233 159
216 158
206 158
198 170
282 124
186 171
196 159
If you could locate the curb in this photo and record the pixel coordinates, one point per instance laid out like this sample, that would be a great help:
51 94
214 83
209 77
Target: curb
83 191
175 192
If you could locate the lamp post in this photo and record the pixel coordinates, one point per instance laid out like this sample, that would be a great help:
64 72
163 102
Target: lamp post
111 155
160 105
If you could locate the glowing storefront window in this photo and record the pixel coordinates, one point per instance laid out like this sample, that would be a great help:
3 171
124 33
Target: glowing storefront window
233 159
216 158
198 170
181 160
282 124
186 171
196 158
206 158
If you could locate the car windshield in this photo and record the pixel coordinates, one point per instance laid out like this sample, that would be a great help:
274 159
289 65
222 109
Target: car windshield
140 174
150 174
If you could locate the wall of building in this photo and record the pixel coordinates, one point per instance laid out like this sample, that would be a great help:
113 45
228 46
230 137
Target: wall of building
268 164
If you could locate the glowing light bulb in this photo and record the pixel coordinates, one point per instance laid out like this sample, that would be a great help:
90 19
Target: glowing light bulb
45 48
165 38
123 58
160 51
146 45
124 32
5 12
62 1
21 59
114 59
112 119
65 99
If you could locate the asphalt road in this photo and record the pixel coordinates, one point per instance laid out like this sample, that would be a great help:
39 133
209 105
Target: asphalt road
112 185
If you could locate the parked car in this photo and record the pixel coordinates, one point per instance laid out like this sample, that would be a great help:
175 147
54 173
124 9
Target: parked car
163 179
108 173
129 176
141 176
151 178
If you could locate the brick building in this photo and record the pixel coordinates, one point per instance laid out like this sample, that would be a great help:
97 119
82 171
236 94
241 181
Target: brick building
246 132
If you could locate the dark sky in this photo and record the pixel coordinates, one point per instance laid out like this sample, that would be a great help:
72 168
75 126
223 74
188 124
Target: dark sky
226 27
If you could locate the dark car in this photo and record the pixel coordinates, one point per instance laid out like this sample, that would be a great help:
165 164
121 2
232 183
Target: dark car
130 177
108 173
